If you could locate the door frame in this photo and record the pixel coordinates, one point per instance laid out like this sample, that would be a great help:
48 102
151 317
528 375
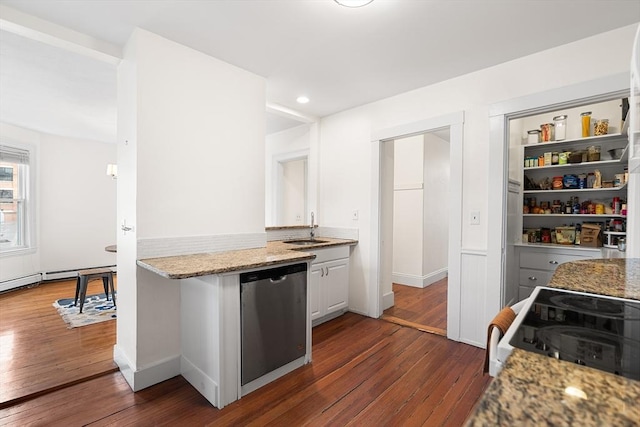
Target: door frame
499 115
382 220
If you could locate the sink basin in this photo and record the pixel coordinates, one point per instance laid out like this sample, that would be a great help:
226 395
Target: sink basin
305 242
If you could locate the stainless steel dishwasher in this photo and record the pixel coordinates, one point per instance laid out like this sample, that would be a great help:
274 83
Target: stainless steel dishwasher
274 319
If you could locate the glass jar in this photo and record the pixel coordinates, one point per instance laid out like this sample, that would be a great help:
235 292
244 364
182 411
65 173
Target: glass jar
555 158
560 123
586 123
547 133
601 127
533 136
593 153
557 183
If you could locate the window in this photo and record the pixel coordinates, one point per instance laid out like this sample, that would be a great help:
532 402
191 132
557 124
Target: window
14 198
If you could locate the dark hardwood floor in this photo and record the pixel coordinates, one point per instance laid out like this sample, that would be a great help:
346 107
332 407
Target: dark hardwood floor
364 372
38 352
423 308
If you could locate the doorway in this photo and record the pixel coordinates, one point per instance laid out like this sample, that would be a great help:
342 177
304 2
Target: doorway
420 231
382 214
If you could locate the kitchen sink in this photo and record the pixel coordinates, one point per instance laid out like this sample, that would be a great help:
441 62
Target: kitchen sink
305 242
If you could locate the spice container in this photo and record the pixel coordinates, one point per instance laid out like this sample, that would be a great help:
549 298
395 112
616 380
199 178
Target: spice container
601 127
560 123
586 123
533 136
593 153
547 133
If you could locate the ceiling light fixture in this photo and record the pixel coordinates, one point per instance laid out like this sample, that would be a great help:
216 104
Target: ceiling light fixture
353 3
302 99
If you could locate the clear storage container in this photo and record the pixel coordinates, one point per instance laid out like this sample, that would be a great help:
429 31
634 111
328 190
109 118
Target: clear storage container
560 123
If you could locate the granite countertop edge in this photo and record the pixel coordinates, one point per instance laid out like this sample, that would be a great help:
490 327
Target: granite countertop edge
204 264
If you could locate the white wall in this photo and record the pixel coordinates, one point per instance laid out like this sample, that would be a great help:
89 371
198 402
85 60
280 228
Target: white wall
407 209
420 218
346 154
75 205
190 164
294 192
436 218
277 146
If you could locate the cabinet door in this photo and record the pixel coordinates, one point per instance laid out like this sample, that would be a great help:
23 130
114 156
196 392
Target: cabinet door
314 291
336 284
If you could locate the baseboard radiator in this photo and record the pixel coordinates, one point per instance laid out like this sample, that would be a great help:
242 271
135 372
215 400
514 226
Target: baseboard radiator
45 276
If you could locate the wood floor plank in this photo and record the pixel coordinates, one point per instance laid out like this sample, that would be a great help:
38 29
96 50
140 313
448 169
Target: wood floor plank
364 372
421 306
38 352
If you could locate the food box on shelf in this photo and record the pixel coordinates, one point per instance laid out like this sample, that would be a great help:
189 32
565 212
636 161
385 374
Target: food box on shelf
591 236
565 235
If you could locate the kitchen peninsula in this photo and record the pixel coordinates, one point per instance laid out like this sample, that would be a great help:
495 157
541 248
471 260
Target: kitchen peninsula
211 309
533 389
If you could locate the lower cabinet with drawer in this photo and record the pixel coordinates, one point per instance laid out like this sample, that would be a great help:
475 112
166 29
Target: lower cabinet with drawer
329 283
537 264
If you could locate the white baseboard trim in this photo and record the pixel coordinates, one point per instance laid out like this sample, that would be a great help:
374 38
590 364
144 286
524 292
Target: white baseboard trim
149 375
419 281
388 300
22 281
200 381
68 274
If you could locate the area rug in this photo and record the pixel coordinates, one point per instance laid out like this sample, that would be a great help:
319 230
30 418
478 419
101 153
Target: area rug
96 309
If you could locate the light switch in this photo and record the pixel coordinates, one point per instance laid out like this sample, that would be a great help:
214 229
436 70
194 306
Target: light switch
354 215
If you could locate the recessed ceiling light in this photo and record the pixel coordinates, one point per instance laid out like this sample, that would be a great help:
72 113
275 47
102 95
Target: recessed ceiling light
353 3
302 99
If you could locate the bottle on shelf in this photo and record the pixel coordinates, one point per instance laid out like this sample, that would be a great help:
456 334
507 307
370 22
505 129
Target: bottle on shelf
568 208
576 206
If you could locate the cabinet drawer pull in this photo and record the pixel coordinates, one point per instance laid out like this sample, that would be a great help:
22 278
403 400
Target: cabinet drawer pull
532 278
553 262
322 272
327 271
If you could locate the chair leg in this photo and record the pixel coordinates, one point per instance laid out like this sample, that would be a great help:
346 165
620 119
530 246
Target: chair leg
105 284
84 281
113 289
75 301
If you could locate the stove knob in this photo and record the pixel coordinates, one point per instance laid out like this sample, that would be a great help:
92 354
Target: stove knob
580 362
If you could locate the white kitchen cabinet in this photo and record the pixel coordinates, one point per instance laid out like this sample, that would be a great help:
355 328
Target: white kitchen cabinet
329 283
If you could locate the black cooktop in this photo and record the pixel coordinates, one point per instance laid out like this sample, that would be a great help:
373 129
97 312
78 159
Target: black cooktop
598 332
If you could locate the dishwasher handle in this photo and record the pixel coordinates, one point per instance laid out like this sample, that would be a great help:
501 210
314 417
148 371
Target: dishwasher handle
278 279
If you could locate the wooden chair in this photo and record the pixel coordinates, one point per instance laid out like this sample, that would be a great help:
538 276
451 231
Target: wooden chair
96 273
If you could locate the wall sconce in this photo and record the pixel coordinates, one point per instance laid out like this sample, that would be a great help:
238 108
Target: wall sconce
112 171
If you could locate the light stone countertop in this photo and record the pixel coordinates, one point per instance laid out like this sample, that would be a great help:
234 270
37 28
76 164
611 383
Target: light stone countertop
617 277
277 252
531 388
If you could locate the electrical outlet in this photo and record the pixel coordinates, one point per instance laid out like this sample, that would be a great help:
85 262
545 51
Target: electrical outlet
474 218
298 218
354 215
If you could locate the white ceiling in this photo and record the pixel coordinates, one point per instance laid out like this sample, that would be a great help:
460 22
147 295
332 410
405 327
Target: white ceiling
339 57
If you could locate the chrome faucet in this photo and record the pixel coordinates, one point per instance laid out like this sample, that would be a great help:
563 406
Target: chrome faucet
312 232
